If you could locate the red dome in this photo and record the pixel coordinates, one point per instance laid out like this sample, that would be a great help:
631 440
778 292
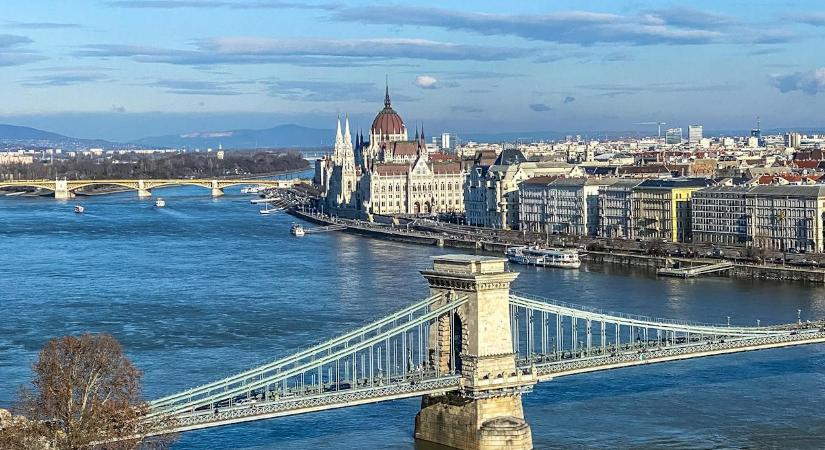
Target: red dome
387 121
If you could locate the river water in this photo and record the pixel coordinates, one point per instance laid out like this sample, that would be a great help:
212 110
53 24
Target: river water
207 287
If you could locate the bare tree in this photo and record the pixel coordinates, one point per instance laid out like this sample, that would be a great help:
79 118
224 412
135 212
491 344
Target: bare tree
85 395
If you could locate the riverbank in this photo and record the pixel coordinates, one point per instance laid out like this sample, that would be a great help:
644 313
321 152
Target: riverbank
494 244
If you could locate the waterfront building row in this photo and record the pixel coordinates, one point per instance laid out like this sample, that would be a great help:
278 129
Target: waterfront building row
609 207
772 217
775 217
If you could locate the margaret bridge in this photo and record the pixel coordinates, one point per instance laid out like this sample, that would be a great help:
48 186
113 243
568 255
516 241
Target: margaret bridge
65 189
470 349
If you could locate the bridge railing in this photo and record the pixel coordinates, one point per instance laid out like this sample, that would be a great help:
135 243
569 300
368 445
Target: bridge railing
598 360
632 317
297 400
390 347
548 331
319 347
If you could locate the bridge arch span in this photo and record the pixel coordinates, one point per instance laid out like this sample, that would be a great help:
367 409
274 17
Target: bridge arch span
46 185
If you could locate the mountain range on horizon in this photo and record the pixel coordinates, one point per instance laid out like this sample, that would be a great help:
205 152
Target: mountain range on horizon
289 136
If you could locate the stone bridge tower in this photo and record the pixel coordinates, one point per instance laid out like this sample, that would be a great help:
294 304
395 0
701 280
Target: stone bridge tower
477 341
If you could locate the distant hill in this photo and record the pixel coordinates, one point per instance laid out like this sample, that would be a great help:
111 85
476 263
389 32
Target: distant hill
279 136
12 132
16 136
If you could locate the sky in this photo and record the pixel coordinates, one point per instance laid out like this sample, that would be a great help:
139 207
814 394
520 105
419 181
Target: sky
125 69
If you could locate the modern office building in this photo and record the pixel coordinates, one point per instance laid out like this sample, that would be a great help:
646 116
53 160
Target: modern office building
673 136
695 135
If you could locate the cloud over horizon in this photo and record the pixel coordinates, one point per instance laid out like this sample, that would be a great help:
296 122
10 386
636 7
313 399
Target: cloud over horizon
264 50
811 82
674 26
14 50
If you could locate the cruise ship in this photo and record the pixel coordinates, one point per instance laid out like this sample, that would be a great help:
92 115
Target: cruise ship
545 257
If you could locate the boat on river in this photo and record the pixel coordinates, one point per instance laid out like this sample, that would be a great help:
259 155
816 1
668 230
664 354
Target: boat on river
297 230
79 209
544 257
252 189
267 210
160 203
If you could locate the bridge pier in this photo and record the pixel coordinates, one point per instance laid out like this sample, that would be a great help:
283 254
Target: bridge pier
487 412
216 190
61 190
143 192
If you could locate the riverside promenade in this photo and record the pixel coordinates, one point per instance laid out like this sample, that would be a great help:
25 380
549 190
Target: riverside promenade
428 232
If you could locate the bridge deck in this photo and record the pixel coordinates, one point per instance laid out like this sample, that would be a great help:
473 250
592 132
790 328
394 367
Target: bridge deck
309 400
552 366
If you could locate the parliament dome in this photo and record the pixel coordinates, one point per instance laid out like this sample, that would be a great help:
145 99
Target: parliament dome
387 122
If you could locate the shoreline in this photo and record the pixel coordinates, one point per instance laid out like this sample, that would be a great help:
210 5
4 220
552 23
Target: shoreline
650 262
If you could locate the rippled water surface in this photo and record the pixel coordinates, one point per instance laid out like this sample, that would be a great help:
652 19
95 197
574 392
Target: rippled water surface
206 287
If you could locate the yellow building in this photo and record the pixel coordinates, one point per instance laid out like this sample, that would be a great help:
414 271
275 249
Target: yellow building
660 209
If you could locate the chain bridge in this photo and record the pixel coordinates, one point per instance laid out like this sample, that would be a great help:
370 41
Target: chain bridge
65 189
470 349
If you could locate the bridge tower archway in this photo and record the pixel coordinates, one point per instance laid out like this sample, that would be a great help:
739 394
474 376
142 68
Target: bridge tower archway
456 343
475 343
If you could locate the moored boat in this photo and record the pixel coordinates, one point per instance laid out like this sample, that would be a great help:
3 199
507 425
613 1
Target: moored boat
545 257
252 189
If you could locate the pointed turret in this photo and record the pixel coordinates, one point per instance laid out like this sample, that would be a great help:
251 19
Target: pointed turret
338 136
347 137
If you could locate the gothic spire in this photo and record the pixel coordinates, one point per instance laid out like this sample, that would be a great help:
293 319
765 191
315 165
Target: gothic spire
387 94
347 136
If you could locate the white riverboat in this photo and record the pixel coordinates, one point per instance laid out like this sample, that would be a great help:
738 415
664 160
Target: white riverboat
160 203
297 230
252 189
79 209
267 210
545 257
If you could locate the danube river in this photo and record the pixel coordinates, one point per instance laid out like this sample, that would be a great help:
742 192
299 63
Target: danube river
207 287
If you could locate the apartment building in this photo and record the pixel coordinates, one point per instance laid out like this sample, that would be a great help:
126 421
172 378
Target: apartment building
660 209
615 208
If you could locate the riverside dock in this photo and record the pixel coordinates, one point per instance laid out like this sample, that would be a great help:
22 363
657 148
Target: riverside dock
691 272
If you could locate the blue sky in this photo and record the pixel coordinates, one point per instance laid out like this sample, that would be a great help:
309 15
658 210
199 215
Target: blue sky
124 69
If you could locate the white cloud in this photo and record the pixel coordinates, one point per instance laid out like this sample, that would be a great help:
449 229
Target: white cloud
811 82
426 82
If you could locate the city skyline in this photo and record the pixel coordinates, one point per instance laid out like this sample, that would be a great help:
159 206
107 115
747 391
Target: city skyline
127 69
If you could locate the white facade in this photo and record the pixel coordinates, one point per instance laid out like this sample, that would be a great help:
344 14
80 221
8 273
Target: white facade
615 208
423 187
771 217
563 205
492 193
694 135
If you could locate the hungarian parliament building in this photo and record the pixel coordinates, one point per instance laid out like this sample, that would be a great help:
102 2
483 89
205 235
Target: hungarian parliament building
387 173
